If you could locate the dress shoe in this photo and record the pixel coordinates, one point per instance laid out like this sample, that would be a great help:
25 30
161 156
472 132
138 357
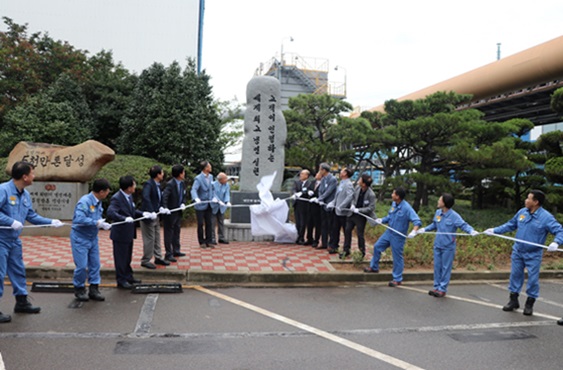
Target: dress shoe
203 246
161 262
148 265
439 294
344 254
300 242
211 246
394 284
332 251
321 247
223 241
371 270
171 259
179 254
308 242
134 281
315 245
125 285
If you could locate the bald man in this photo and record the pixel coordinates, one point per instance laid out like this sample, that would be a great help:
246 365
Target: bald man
221 190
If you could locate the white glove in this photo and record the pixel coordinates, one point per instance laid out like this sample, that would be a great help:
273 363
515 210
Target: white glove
412 234
297 195
164 211
422 230
310 192
552 247
197 200
215 200
313 200
378 221
128 219
221 203
56 223
100 222
474 233
330 205
105 226
490 231
228 204
183 206
16 225
355 210
150 215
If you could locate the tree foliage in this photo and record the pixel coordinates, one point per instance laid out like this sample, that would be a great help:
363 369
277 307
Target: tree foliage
172 117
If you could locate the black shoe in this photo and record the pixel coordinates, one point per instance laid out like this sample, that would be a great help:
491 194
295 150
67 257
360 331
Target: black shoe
5 318
512 304
161 262
223 241
560 321
529 306
171 259
94 293
308 242
432 292
179 254
315 245
394 284
332 251
439 294
148 265
320 247
211 246
80 294
300 242
343 255
371 270
203 246
134 281
125 285
24 306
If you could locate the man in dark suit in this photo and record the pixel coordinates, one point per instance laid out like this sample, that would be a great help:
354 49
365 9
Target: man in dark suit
152 201
314 225
302 189
122 208
173 198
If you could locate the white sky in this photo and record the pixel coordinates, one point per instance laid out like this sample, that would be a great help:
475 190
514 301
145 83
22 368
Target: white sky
387 48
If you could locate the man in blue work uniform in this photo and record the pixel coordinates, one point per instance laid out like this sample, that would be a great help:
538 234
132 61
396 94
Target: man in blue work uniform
445 221
15 209
86 221
532 223
399 217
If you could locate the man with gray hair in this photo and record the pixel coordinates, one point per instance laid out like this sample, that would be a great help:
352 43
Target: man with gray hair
222 192
327 191
302 189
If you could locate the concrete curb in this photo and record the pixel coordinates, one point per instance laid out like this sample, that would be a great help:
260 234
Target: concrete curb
234 278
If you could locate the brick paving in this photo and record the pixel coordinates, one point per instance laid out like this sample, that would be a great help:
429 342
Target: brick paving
51 251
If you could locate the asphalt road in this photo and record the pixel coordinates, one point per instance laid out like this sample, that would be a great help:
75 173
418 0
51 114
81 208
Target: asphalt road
347 327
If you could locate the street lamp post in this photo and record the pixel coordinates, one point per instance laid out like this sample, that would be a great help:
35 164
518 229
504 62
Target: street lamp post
345 73
281 56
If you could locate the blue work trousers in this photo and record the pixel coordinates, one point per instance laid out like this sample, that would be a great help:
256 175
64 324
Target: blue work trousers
530 261
11 263
397 244
86 254
443 263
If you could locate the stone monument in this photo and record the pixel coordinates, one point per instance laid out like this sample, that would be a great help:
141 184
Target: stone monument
263 151
61 176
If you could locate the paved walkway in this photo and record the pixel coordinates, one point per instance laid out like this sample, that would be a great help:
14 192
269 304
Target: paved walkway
50 251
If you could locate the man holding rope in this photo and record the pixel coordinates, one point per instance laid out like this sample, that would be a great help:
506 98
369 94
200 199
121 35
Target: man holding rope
15 209
532 224
446 221
399 217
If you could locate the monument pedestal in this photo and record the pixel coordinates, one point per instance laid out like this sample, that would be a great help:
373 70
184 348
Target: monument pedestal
238 227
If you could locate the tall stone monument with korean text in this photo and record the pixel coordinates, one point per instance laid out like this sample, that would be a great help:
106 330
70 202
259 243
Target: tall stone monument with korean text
265 133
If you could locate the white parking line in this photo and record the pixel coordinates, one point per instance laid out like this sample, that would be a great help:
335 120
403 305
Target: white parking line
545 316
2 367
321 333
145 317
